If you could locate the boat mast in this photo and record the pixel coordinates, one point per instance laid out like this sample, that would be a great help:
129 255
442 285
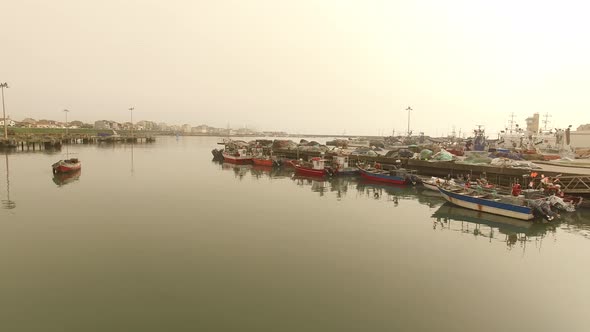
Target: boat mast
546 121
66 111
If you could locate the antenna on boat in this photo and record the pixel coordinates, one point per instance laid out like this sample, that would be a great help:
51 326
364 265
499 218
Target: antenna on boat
511 121
546 121
409 109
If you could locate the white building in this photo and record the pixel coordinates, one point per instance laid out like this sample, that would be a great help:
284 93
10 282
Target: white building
9 122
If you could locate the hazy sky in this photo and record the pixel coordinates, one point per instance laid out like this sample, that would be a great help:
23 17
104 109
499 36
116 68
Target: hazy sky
323 66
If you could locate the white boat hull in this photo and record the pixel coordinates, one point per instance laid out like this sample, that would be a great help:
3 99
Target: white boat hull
486 205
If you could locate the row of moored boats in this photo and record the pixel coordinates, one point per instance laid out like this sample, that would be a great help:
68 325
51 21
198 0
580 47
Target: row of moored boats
479 195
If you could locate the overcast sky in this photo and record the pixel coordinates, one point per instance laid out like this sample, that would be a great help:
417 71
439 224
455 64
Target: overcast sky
322 66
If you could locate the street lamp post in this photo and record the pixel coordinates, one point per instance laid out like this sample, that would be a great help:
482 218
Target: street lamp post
131 109
2 86
408 109
66 111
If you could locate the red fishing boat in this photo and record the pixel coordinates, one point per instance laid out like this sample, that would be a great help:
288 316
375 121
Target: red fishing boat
288 162
65 166
239 156
263 161
315 168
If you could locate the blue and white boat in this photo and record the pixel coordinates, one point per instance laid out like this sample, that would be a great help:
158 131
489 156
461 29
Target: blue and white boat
508 206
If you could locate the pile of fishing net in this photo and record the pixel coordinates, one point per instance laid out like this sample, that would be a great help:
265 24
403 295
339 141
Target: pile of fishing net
425 154
506 162
477 157
505 154
442 155
364 151
284 144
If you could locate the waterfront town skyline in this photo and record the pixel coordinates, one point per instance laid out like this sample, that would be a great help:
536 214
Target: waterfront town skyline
354 67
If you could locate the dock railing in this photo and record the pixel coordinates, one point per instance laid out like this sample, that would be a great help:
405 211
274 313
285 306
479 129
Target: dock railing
574 184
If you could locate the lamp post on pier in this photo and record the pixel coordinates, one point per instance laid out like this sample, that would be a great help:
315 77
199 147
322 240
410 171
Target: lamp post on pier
408 109
66 111
2 86
131 109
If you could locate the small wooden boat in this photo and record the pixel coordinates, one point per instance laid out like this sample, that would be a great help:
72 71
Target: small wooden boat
315 168
507 206
61 179
432 183
68 165
395 176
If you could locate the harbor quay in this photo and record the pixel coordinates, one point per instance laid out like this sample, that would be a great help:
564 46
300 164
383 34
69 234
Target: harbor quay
47 142
572 180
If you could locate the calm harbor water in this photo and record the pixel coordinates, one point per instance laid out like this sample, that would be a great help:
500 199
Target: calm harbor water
160 238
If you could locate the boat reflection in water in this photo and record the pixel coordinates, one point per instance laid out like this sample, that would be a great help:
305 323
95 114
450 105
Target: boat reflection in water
396 193
271 172
491 226
62 179
240 170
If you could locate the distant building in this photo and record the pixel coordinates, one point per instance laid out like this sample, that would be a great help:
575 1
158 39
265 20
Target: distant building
147 125
102 124
202 129
9 122
47 124
106 125
275 133
245 131
77 124
532 123
162 126
28 123
186 128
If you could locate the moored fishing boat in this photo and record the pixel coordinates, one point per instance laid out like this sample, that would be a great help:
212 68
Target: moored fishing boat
431 184
396 176
265 161
261 161
507 206
239 156
315 168
341 166
67 165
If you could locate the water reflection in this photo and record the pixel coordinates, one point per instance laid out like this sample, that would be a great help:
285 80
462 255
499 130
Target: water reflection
239 170
270 172
396 193
62 179
132 164
494 227
318 184
8 203
447 217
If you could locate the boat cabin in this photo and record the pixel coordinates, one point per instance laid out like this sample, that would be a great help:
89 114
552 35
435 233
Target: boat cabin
341 162
318 163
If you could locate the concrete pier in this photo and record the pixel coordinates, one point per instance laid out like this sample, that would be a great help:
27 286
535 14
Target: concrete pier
572 180
46 142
